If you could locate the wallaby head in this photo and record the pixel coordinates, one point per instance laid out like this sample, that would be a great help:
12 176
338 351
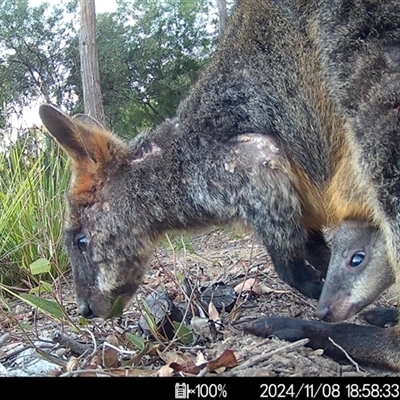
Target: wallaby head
122 197
358 272
106 244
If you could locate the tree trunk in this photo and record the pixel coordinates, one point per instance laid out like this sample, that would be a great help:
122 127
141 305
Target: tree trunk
222 15
92 99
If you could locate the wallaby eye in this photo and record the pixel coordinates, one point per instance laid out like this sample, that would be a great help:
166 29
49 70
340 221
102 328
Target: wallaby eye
357 259
81 242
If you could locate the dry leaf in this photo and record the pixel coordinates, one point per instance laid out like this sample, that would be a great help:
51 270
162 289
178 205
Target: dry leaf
227 359
72 364
226 334
200 359
54 373
60 352
266 289
153 350
19 309
165 371
237 269
96 373
249 285
96 360
213 314
200 326
175 357
110 358
112 339
188 369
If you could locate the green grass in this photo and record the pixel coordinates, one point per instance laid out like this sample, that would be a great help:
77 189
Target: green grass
179 242
32 187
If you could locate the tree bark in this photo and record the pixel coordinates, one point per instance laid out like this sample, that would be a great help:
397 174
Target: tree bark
92 98
222 15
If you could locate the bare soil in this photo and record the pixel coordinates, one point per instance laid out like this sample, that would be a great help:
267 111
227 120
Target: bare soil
203 259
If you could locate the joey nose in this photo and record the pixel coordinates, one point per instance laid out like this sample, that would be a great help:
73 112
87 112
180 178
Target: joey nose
85 310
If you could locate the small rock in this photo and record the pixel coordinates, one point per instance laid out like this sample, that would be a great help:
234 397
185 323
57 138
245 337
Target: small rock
221 295
4 339
28 363
162 311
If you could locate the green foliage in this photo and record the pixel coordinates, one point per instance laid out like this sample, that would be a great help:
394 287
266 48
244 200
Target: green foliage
150 52
179 242
183 333
183 243
33 43
117 308
150 319
31 211
136 340
49 307
43 287
40 266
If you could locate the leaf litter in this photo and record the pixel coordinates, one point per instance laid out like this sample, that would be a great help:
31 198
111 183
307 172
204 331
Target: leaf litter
201 301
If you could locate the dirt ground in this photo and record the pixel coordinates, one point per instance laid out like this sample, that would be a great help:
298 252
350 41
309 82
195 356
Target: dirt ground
221 348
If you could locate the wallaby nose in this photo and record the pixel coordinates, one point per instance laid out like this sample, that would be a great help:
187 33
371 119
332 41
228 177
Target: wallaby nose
323 313
85 310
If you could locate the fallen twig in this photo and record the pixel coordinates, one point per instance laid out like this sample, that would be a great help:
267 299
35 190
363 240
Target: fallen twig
345 353
96 372
76 347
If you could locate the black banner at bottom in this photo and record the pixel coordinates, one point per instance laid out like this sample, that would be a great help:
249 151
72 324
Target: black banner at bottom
219 388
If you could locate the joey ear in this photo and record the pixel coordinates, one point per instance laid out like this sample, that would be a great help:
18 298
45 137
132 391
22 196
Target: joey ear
88 120
65 131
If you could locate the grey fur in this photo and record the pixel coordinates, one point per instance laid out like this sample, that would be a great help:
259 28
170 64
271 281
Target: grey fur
298 72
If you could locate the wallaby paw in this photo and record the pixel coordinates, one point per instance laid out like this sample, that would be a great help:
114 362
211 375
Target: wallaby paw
311 288
382 316
284 328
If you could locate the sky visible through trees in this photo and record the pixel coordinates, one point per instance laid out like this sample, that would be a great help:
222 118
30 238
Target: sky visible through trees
150 52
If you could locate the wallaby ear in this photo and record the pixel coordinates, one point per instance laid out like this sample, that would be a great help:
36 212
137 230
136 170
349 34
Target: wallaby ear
88 120
65 131
91 148
82 137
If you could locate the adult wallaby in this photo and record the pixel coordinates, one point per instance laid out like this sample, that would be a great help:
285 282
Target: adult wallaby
358 272
293 126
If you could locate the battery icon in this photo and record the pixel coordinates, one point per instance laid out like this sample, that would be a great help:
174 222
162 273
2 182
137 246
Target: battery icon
181 391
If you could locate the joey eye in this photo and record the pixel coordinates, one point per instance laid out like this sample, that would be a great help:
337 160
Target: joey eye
357 259
81 242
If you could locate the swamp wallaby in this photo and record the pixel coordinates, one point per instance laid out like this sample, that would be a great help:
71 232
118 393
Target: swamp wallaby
294 126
